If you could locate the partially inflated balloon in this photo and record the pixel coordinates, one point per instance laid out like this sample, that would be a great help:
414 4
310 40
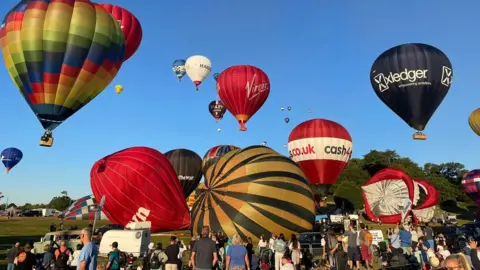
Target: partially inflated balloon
471 185
214 153
188 166
474 121
217 109
140 184
322 148
178 67
243 90
252 192
60 54
412 80
198 67
130 25
11 157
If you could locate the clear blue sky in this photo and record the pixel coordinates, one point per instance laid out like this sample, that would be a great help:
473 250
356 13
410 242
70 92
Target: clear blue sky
317 54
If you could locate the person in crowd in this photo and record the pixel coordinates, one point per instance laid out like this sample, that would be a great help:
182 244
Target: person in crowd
11 255
423 247
262 244
307 258
172 251
406 240
53 227
62 257
365 253
294 248
47 260
352 250
88 255
255 261
330 244
249 248
204 253
286 263
442 252
271 242
237 255
156 258
394 238
419 232
114 258
414 234
181 248
474 255
280 247
456 262
26 260
429 236
75 255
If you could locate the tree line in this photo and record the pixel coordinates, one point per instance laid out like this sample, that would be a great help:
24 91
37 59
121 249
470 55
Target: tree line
59 203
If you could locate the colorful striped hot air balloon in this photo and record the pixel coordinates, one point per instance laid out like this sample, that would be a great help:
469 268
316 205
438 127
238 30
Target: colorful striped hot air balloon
60 55
84 208
253 192
471 185
214 153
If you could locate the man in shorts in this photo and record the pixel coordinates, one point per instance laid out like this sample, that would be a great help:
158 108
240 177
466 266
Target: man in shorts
353 252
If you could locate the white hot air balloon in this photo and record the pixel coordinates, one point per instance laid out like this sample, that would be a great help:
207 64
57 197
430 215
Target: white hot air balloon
198 67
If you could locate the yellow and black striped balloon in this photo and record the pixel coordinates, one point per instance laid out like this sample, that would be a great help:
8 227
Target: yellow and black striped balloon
474 121
254 191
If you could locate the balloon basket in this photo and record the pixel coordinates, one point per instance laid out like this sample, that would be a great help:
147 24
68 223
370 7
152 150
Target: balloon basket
419 136
46 141
242 128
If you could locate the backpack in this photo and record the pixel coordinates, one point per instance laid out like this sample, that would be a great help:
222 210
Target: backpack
155 261
123 259
62 260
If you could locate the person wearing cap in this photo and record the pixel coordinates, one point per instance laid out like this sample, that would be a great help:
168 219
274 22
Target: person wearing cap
286 263
26 260
114 258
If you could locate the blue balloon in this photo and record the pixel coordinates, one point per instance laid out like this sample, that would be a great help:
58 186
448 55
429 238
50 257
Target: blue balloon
215 76
11 157
179 68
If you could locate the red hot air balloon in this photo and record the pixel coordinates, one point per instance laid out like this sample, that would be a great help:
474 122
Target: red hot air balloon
140 184
131 27
243 90
322 149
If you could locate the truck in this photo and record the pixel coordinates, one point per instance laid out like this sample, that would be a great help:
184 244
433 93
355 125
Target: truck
48 212
133 240
72 238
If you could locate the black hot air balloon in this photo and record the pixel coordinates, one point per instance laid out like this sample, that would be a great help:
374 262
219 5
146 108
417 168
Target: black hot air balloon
287 120
412 80
217 109
188 166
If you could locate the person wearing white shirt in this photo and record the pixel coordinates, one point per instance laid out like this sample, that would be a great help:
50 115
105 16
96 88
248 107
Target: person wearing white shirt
75 255
271 242
262 244
414 239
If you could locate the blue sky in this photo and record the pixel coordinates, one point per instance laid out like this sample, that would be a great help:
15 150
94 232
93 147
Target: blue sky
317 54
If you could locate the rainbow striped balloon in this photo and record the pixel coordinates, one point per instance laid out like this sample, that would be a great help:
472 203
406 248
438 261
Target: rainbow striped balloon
61 54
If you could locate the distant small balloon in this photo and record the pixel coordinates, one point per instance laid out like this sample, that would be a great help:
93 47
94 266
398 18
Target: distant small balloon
284 146
289 108
309 111
215 76
118 89
282 108
264 143
219 130
287 120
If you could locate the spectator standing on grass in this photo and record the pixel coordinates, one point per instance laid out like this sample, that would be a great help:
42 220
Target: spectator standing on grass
172 251
204 253
406 240
48 260
414 238
114 258
262 244
237 255
353 251
429 236
26 260
75 255
88 255
11 255
280 248
62 257
394 238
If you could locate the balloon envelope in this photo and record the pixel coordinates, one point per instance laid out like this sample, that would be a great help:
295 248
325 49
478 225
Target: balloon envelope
10 157
130 25
243 90
252 192
214 153
66 61
217 109
178 67
471 185
474 121
412 80
140 184
188 166
198 67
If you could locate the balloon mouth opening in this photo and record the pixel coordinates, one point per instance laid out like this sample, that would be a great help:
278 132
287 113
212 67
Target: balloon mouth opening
8 169
101 167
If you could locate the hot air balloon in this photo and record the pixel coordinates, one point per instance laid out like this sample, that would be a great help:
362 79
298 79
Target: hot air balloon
252 192
130 25
10 157
219 130
474 121
214 153
309 111
471 185
66 61
118 89
264 143
284 146
198 67
84 208
425 209
289 108
287 120
412 80
188 166
282 108
178 67
140 184
322 149
243 90
386 194
215 76
217 109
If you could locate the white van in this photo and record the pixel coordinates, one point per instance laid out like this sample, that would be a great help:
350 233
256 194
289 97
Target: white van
129 241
